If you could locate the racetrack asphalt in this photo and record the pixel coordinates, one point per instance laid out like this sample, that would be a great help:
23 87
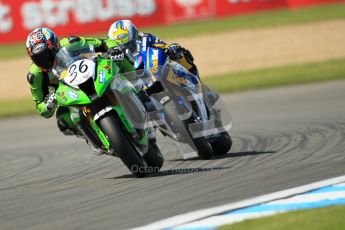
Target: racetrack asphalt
283 138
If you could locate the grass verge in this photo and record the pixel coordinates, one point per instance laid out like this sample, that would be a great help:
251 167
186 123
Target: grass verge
263 19
278 76
312 219
227 83
250 21
16 108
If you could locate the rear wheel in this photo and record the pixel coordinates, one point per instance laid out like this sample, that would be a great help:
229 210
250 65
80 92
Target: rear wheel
121 144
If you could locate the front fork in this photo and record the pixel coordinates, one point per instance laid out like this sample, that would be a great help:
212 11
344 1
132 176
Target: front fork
92 121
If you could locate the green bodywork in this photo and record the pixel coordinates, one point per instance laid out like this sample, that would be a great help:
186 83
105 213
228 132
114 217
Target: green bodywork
106 74
40 81
67 95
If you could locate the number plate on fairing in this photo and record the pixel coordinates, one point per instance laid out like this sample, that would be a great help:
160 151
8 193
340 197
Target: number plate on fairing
79 72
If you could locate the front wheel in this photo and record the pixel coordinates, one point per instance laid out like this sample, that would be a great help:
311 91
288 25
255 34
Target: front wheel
205 150
172 111
154 157
122 146
221 144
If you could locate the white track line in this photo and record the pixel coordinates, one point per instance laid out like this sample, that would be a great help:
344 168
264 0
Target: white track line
338 185
215 221
305 198
200 214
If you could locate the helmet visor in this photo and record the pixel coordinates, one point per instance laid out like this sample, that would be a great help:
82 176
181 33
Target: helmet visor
43 57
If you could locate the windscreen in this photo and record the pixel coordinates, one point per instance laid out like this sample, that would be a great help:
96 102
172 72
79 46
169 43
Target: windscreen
67 55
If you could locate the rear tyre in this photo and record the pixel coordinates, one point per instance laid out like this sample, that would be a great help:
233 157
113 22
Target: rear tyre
121 144
154 158
221 144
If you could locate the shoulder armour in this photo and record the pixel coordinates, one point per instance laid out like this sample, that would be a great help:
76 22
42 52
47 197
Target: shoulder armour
73 39
30 77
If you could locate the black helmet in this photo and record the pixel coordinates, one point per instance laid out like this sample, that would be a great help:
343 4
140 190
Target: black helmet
42 45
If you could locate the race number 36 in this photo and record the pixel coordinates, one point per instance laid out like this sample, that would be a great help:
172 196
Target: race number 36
80 71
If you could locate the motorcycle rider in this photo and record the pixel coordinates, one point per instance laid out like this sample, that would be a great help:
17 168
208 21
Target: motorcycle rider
42 45
127 36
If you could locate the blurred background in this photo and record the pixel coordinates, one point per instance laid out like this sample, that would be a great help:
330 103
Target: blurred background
237 44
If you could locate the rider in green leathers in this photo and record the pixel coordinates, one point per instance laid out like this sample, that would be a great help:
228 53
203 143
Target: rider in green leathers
42 45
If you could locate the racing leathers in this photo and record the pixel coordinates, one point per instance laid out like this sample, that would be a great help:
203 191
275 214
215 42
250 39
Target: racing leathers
174 51
44 83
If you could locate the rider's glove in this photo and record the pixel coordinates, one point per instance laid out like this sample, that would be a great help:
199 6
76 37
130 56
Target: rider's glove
50 102
116 54
174 51
188 55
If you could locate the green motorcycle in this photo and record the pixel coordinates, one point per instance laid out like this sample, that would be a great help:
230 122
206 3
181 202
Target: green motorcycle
104 104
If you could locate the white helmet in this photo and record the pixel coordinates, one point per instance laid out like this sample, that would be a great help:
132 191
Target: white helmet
124 33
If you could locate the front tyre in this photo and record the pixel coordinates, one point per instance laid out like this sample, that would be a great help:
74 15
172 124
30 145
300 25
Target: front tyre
202 146
154 157
221 144
205 150
121 144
